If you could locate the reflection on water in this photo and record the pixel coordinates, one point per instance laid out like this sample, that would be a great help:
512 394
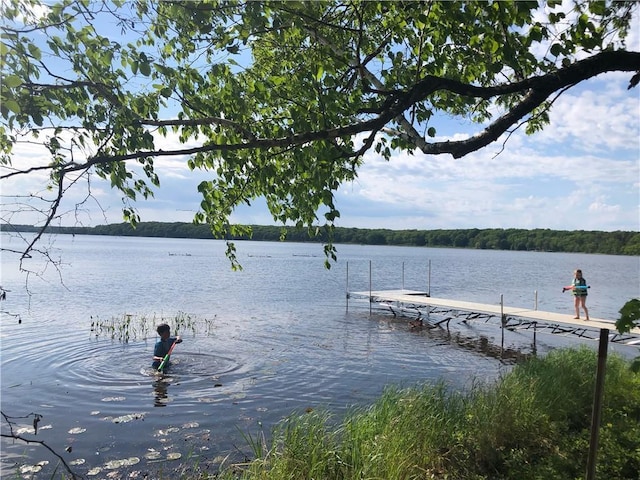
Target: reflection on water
160 388
278 340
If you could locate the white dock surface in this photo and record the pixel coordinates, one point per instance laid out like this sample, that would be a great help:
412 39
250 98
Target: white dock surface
410 297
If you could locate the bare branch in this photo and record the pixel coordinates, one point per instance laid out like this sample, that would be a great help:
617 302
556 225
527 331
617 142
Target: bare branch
15 436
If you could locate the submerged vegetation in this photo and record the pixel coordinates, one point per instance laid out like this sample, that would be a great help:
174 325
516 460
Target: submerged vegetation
534 423
131 327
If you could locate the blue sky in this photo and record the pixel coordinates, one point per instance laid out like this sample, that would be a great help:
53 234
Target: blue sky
581 173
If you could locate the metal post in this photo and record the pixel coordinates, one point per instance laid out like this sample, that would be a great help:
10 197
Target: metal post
535 302
429 281
402 275
597 404
502 322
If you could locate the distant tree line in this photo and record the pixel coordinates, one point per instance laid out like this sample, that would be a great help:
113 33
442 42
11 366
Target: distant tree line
613 243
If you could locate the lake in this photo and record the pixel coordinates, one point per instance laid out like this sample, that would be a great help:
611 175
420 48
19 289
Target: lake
259 344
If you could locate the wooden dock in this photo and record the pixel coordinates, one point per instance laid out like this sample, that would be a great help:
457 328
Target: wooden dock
422 306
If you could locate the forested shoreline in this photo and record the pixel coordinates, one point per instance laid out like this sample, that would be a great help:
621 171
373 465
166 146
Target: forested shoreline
580 241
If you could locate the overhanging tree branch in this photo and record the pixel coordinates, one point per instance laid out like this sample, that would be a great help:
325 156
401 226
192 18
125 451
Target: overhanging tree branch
536 89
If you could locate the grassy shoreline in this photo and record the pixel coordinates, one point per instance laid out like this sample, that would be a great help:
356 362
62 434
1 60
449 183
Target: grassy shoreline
533 423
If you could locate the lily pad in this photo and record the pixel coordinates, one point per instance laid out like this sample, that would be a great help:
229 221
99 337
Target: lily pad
128 418
77 430
174 456
153 455
125 462
29 429
33 468
77 461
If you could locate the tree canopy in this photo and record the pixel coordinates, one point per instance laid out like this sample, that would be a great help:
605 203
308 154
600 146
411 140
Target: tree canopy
278 99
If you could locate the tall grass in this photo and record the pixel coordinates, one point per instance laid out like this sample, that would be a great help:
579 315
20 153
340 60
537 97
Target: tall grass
533 423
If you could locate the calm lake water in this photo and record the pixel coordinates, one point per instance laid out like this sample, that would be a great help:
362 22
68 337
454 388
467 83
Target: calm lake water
273 339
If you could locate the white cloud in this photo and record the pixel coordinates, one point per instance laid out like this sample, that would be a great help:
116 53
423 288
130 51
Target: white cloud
601 114
581 172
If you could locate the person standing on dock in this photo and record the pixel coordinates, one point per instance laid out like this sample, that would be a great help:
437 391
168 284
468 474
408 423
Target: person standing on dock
579 288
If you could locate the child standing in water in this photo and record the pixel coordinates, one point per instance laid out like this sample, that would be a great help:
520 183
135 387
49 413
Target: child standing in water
579 290
163 345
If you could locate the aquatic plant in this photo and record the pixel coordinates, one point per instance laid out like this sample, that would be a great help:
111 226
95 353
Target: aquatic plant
131 327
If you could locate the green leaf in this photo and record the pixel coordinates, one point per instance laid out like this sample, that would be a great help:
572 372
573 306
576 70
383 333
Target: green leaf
598 8
35 51
145 69
37 119
556 49
629 316
12 105
12 81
